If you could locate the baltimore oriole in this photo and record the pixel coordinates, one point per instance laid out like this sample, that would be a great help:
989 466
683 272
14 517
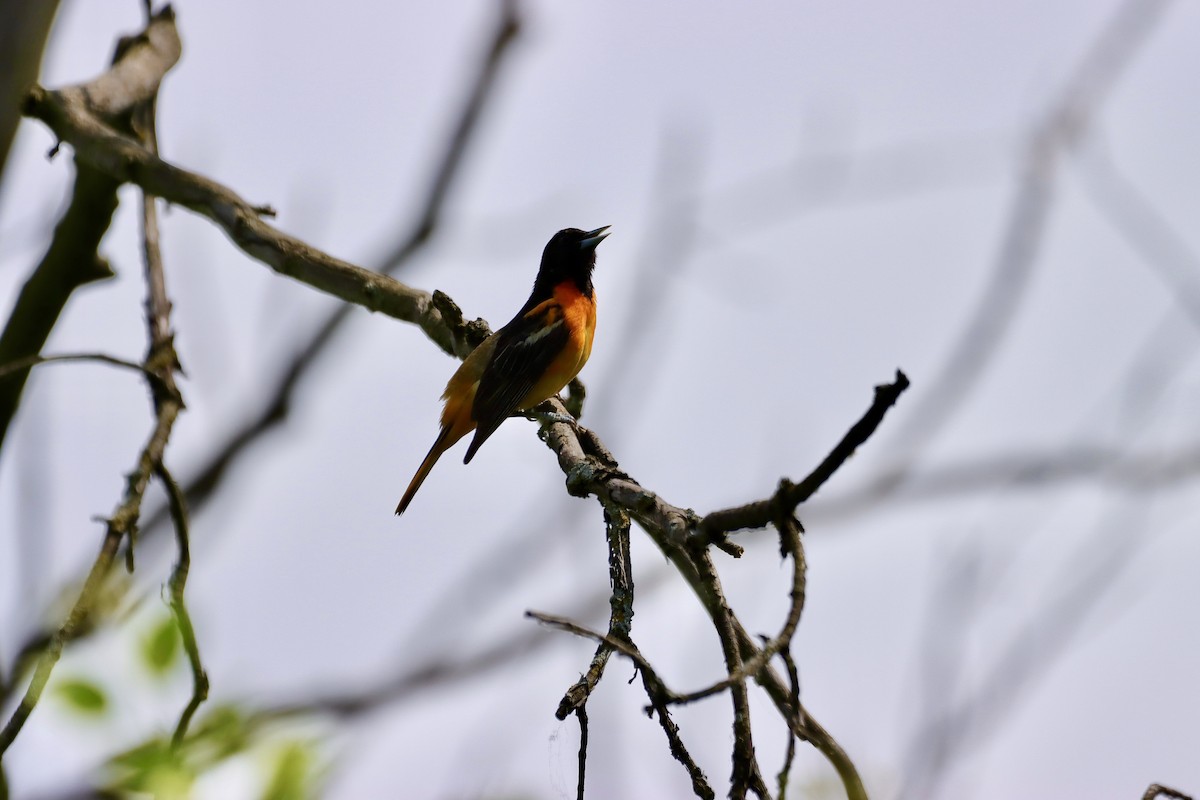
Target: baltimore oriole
528 360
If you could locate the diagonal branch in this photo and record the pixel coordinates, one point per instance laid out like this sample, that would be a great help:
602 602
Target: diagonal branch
591 469
118 527
763 512
127 161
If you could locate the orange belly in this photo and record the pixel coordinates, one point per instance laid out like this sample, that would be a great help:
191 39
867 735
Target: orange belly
580 314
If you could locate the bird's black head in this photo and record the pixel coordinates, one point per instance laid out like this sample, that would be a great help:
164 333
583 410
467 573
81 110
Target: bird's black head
569 255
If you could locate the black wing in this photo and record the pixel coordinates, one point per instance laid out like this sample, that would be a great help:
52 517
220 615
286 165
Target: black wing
525 349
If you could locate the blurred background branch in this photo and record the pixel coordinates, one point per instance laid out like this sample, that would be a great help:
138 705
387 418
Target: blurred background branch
1059 130
22 41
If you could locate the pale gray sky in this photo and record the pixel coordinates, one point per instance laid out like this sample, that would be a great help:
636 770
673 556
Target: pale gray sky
806 283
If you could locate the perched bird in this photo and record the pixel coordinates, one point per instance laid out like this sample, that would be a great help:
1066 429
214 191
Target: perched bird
528 360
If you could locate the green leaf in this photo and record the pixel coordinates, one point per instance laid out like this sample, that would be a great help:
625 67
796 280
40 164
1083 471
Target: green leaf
161 646
152 769
170 783
144 756
293 777
223 732
82 696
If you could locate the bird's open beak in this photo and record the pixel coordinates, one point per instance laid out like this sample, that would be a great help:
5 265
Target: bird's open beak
592 238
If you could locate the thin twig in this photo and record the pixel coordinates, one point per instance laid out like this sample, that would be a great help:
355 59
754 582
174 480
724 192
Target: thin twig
176 586
123 520
790 544
66 632
581 713
591 469
745 775
785 772
760 513
1158 790
621 646
160 350
103 358
656 691
620 621
658 707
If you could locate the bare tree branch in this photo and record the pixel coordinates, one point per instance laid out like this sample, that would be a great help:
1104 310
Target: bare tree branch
591 469
1158 790
71 261
435 313
581 713
656 691
160 358
447 327
588 465
124 159
620 621
761 513
161 354
123 520
785 772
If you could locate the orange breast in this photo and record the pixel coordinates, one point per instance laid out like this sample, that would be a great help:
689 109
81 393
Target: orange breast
580 314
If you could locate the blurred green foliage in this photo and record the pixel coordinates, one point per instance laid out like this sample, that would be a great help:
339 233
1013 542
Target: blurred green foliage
160 646
295 772
82 695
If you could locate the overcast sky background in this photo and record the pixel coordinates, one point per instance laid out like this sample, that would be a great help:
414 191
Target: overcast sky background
838 181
